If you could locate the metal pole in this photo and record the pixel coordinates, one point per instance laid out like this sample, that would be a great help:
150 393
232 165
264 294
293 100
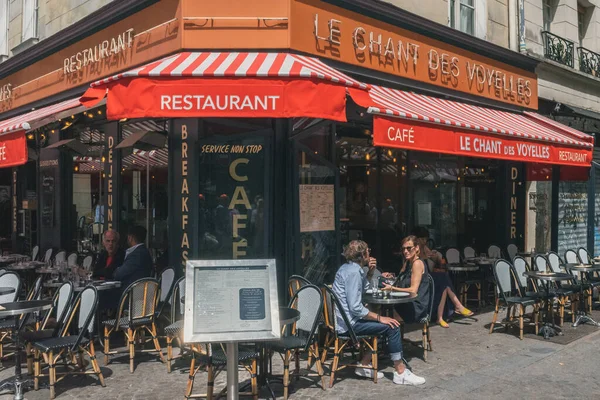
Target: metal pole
232 371
148 199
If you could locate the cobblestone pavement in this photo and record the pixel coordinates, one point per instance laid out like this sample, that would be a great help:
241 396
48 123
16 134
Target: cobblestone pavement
467 363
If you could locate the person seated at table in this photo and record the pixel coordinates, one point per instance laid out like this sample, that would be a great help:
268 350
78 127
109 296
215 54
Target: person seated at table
138 261
110 258
349 284
411 279
444 290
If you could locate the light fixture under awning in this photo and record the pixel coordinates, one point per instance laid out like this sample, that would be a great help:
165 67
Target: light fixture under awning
417 122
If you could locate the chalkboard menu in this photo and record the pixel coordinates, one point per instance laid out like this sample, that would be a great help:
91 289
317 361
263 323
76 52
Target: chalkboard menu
231 300
47 200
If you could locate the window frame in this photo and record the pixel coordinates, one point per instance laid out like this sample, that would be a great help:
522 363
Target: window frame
455 8
4 50
27 34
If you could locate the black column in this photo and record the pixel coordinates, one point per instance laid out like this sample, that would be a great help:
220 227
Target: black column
514 204
554 216
112 183
590 211
50 196
183 189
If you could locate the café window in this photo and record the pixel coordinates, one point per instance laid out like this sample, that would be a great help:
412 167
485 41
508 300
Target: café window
234 188
572 214
539 207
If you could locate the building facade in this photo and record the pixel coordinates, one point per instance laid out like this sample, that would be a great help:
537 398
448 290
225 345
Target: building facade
280 129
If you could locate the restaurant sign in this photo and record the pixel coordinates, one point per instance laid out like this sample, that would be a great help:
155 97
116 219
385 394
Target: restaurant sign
98 52
392 132
13 149
328 31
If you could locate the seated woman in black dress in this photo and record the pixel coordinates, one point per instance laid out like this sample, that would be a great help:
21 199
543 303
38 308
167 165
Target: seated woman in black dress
444 290
412 279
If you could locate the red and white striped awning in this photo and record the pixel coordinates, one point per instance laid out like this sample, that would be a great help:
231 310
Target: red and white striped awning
226 84
414 121
29 120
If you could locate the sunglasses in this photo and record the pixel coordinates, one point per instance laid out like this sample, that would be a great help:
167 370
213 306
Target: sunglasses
408 248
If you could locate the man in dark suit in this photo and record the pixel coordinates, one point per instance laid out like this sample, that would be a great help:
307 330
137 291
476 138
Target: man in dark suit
138 261
110 258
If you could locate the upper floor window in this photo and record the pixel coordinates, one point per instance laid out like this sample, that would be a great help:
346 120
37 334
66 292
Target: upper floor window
582 23
462 15
30 19
3 28
547 14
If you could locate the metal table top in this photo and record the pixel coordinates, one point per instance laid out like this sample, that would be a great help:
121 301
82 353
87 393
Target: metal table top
480 260
100 285
462 268
288 315
409 298
548 276
24 307
582 267
6 290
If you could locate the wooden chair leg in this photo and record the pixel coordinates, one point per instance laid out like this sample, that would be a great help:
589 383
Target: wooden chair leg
106 344
190 383
95 366
325 349
29 353
318 364
297 364
374 360
478 296
521 311
211 381
536 317
574 304
286 374
254 380
334 364
51 374
424 339
37 370
429 346
156 343
561 310
495 317
131 337
169 353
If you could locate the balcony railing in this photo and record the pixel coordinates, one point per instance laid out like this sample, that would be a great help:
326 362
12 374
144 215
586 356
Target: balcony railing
589 62
558 49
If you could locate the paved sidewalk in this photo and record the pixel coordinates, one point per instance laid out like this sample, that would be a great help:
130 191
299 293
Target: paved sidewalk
467 363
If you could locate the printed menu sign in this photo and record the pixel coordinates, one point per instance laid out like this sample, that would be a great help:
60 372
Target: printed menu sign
317 208
231 300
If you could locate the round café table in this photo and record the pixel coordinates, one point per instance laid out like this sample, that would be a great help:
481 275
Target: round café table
583 269
15 310
550 328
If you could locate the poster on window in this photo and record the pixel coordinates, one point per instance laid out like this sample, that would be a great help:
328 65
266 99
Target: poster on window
423 213
317 208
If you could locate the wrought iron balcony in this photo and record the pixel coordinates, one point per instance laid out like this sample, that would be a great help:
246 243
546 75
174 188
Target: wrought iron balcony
589 62
558 49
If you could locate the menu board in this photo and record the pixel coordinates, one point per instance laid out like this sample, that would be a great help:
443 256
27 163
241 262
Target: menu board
317 208
231 300
47 200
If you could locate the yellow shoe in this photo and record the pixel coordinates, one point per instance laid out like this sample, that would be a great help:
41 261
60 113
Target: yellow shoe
465 312
443 324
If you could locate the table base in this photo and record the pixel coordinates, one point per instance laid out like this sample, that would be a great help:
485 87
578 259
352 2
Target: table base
17 386
583 318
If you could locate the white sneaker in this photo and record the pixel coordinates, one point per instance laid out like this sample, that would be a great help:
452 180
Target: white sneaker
366 372
408 378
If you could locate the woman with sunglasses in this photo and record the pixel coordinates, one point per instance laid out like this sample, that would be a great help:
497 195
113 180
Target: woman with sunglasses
412 279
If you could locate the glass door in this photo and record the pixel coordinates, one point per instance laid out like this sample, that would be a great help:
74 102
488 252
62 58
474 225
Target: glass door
317 247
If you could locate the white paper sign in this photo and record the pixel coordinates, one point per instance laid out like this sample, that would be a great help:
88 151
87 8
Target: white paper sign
317 208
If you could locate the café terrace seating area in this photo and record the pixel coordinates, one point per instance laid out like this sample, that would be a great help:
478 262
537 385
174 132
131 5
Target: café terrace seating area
52 327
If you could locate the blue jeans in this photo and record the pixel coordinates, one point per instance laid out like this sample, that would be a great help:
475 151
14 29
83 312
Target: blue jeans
374 328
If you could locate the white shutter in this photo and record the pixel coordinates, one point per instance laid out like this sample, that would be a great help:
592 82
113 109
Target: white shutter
29 19
4 27
481 19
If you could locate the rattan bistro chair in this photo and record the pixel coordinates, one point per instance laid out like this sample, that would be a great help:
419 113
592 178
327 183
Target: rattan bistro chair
505 276
34 253
561 293
494 251
83 310
139 301
295 283
512 250
12 280
309 301
167 278
427 319
175 329
348 340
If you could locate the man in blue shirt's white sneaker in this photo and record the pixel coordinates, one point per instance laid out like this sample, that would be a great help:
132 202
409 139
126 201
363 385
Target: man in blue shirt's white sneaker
350 283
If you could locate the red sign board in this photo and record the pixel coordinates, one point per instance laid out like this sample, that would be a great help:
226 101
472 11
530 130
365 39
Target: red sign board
393 132
221 97
13 149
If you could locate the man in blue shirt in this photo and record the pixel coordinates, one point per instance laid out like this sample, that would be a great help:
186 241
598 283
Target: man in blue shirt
350 283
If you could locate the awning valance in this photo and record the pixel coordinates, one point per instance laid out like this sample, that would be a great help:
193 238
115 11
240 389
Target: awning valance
413 121
226 84
13 143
